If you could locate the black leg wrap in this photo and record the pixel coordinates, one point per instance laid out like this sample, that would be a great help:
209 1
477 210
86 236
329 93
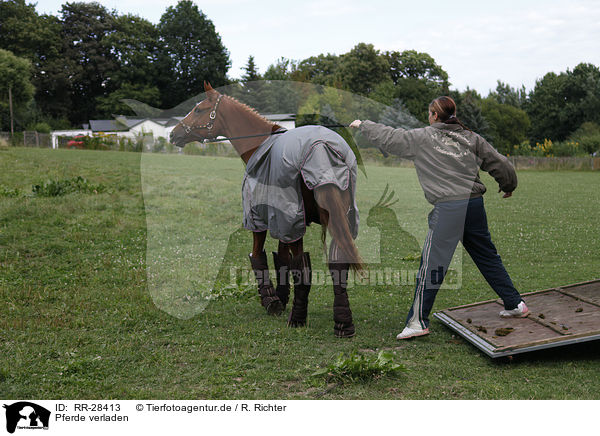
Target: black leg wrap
268 298
282 271
342 315
302 277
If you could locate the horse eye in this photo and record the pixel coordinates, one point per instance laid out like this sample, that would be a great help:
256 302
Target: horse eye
199 110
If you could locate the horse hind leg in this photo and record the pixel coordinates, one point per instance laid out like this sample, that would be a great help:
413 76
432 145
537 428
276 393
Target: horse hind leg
343 326
260 266
342 254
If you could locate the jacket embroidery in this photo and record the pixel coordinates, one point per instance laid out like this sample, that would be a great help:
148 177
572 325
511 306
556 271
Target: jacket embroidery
452 142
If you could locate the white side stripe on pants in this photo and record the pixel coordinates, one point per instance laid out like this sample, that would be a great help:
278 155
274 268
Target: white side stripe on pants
418 303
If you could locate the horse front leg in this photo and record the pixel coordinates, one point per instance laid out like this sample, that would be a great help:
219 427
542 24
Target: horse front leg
302 277
260 266
282 261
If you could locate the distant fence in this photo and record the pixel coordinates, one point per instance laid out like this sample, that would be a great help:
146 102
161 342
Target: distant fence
556 163
36 139
30 139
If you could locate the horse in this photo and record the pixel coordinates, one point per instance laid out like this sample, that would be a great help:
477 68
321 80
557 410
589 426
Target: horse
309 189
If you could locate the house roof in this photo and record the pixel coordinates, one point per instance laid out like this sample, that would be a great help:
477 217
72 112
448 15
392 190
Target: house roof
132 122
107 126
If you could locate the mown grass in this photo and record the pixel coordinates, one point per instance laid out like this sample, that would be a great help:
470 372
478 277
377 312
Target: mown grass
78 318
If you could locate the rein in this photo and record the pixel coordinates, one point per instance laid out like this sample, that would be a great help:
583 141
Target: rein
213 115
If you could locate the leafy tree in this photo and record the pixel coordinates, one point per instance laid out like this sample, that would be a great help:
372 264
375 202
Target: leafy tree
508 125
52 74
134 44
320 70
583 95
506 94
38 39
410 76
362 69
416 95
417 80
411 64
22 30
113 104
545 107
385 93
191 52
560 103
89 61
15 74
280 70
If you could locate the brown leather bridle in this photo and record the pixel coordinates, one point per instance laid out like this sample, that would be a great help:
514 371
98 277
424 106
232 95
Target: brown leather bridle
209 125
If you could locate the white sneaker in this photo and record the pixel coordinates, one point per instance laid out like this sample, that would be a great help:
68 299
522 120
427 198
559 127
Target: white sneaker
521 311
412 333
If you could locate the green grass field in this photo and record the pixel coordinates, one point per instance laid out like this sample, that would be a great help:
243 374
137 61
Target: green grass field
103 296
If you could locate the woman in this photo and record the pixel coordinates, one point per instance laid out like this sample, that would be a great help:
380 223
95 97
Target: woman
447 158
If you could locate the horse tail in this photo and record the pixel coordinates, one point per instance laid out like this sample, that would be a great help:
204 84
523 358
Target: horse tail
329 197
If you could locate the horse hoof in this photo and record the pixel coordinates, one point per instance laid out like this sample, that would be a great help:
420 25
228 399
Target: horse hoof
275 308
296 323
344 331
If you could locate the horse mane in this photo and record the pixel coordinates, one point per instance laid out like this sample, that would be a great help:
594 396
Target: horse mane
250 110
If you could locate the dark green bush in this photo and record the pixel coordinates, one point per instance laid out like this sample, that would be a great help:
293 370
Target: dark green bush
588 137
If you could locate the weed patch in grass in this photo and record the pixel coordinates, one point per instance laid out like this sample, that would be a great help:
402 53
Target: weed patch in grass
56 188
7 192
361 367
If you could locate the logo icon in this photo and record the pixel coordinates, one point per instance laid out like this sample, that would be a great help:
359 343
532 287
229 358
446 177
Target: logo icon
26 415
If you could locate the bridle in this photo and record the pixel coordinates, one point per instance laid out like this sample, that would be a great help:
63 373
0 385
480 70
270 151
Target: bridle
209 125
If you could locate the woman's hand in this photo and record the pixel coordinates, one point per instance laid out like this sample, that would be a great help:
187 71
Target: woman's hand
355 124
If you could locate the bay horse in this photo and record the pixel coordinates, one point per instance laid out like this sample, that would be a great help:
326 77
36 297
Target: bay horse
321 201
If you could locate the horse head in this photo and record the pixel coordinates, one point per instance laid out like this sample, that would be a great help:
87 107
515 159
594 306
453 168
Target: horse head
202 122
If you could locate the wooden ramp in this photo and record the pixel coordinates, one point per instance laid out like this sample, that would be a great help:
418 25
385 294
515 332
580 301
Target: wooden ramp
558 316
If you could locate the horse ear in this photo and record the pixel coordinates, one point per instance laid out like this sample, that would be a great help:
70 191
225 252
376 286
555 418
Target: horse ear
210 92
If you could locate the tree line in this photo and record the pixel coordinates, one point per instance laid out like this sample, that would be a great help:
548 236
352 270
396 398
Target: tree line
64 70
81 64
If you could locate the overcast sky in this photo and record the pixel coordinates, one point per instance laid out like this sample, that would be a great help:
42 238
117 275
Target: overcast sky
476 42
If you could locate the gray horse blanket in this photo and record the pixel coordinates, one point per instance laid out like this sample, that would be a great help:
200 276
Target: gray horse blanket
271 189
